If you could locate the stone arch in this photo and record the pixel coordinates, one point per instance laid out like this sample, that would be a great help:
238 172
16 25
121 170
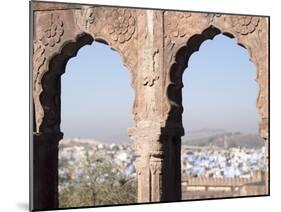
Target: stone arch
57 37
57 64
50 95
55 42
47 132
154 46
182 56
252 37
181 43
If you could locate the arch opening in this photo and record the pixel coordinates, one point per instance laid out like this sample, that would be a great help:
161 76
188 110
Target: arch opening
50 96
181 64
115 175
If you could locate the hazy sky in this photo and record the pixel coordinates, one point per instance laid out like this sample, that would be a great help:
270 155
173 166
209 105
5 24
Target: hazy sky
219 91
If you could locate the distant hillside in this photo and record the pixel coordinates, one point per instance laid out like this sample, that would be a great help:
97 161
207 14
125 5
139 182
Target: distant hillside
203 133
225 140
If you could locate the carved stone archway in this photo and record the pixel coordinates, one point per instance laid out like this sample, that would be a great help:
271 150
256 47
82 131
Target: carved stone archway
185 37
154 45
250 32
61 30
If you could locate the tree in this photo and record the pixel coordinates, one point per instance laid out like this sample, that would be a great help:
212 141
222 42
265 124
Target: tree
100 182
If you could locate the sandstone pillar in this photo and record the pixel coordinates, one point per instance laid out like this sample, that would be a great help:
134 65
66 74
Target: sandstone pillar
157 148
158 164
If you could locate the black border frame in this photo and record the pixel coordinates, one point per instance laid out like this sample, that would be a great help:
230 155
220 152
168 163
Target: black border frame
31 27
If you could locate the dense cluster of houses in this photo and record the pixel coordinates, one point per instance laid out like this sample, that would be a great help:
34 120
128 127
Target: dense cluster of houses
196 161
222 163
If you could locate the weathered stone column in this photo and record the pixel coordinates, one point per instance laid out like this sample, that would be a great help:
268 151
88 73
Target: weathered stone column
149 162
157 148
44 194
158 164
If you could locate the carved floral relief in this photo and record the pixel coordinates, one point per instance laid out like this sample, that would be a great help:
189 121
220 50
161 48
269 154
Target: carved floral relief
52 32
121 25
244 24
176 24
180 26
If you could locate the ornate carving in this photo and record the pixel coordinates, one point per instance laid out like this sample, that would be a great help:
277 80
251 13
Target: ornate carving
156 148
176 25
244 24
156 168
179 27
150 77
39 59
85 17
149 80
88 14
212 16
121 25
53 31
